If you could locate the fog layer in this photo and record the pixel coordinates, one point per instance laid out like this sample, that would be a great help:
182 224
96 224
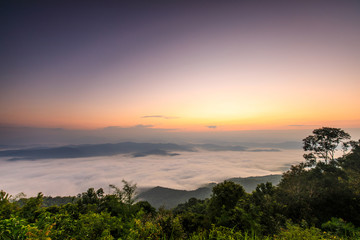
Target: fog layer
186 171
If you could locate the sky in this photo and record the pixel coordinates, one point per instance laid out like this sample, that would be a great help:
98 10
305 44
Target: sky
183 66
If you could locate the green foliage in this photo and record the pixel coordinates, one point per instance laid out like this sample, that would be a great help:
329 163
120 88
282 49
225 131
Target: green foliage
192 205
127 194
323 144
224 233
145 207
224 198
318 190
193 215
56 201
192 222
6 208
296 232
163 226
269 209
351 165
90 200
339 227
246 216
170 225
145 230
225 195
316 194
32 208
303 232
98 226
16 228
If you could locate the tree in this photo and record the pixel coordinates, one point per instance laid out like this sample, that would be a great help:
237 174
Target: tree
270 210
225 197
31 209
323 144
351 165
351 161
6 208
127 194
90 200
318 189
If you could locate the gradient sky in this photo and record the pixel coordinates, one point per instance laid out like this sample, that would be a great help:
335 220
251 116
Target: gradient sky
204 66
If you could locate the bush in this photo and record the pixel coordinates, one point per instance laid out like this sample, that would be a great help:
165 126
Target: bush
339 227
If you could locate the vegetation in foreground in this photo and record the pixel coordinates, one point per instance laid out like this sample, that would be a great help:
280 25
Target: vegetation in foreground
316 199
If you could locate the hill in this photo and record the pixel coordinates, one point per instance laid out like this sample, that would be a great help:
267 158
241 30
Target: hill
169 198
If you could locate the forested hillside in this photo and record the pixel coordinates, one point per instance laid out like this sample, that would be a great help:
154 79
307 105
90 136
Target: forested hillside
170 198
316 199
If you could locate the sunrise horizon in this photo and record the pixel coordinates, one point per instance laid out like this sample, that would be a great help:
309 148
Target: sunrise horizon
190 67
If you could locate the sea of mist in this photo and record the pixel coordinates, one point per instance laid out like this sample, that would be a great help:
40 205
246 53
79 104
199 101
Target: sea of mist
189 170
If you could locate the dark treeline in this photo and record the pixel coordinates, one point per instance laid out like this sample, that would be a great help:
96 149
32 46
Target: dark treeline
316 199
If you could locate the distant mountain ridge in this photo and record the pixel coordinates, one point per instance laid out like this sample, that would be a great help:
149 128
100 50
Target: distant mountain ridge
110 149
157 152
94 150
170 198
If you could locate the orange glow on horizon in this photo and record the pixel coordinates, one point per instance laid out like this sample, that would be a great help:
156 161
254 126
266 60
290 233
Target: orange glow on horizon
223 72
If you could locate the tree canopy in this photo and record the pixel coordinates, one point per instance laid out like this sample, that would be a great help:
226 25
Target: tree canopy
323 144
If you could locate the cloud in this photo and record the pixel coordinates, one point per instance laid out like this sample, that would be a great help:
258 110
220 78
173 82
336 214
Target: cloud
211 127
111 128
135 126
301 125
186 171
265 150
143 126
159 116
